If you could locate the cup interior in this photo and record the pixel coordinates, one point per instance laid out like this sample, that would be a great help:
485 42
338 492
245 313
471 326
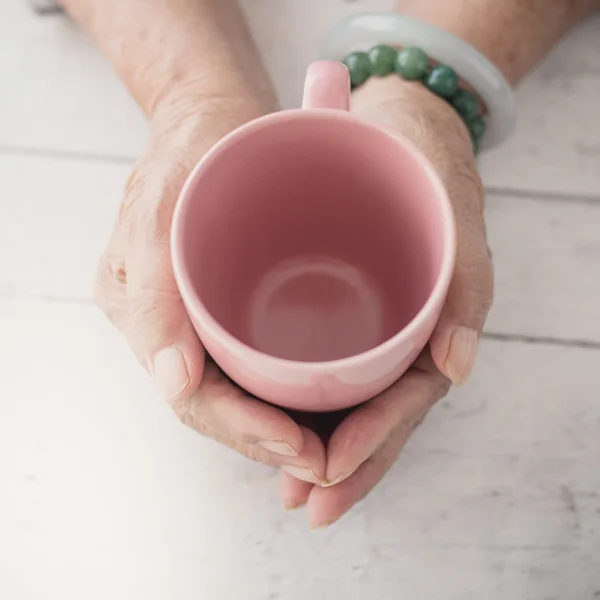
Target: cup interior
311 236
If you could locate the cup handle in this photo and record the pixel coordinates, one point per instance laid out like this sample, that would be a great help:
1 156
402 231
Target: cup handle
327 85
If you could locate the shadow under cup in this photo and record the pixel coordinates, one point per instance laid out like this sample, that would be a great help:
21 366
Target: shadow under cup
312 236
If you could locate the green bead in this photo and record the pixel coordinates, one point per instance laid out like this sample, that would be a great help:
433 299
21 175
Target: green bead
412 63
383 60
465 103
443 81
359 65
475 146
476 127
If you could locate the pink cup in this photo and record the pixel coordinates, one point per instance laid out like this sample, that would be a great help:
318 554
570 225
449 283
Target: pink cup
313 252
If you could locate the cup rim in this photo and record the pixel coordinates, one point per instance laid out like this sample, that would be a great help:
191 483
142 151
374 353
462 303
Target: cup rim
198 311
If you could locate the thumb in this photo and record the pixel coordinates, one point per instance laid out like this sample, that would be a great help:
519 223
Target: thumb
158 327
456 337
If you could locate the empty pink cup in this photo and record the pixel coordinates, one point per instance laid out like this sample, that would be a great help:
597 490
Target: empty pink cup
313 251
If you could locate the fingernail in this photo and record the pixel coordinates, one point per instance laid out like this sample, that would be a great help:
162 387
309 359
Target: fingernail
340 478
315 526
288 505
462 353
278 447
170 372
301 473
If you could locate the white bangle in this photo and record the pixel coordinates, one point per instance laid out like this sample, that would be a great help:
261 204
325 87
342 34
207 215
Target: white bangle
361 32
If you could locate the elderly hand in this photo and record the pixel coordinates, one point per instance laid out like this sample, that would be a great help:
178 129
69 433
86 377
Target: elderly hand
136 289
367 441
329 461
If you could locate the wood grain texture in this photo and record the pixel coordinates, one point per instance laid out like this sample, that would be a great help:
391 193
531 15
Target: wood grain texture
57 217
58 92
546 257
498 494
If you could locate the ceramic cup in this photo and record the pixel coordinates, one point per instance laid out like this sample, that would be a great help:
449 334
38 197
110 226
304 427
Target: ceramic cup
313 252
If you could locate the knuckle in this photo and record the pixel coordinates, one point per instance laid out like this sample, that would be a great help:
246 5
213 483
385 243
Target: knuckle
189 413
111 266
442 386
109 285
111 270
190 416
256 453
431 377
182 411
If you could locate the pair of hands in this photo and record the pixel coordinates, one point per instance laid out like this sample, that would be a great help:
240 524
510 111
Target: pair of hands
331 461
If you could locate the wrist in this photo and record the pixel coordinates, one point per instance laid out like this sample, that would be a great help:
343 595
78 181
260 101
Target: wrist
407 105
168 48
512 34
214 58
207 83
218 60
466 23
191 111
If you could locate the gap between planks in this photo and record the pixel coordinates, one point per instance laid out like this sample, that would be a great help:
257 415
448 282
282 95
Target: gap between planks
493 191
514 338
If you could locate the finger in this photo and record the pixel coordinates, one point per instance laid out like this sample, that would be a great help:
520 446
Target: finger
401 407
223 411
327 504
456 336
296 483
158 327
294 492
312 461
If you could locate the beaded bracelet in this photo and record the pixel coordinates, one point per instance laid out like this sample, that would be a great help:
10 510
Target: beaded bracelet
412 64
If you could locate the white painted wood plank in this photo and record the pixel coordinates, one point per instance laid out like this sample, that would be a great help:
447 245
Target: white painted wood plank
290 46
56 217
58 92
546 255
556 146
105 495
576 55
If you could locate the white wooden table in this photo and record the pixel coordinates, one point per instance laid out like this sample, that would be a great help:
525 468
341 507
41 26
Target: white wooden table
103 495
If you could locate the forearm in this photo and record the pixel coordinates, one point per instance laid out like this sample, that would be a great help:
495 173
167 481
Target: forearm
162 48
514 34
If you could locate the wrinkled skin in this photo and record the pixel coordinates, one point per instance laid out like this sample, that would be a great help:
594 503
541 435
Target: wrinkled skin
329 462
